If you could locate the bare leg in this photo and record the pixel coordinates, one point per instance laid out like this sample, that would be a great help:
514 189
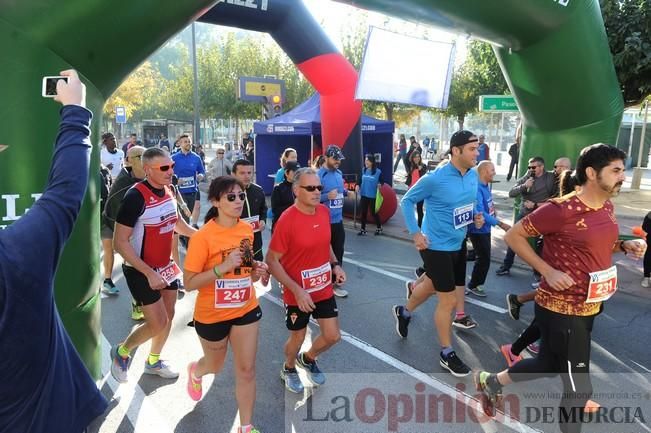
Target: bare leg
293 345
329 336
443 317
244 342
108 260
422 290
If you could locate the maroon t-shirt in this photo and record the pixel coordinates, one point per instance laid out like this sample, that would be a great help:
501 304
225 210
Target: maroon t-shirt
578 240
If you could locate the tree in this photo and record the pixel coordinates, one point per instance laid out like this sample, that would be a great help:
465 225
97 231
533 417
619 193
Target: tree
137 92
628 26
479 75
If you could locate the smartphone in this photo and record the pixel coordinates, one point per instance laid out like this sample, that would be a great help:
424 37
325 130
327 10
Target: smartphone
50 86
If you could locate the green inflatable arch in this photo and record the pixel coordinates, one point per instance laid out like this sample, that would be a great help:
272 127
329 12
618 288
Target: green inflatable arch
554 54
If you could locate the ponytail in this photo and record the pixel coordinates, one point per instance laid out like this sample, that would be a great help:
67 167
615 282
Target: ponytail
212 213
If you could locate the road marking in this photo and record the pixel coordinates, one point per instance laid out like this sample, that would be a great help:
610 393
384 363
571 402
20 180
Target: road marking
641 366
131 399
399 277
423 377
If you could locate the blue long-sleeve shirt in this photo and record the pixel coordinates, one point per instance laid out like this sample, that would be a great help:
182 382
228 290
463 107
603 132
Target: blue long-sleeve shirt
449 206
187 167
370 182
333 179
487 208
44 386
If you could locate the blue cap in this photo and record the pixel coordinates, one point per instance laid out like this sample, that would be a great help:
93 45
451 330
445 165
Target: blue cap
335 152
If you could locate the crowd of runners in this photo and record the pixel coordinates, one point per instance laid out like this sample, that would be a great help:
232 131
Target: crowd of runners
568 214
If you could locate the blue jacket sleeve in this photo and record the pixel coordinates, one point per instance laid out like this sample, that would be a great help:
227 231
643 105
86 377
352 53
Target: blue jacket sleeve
419 192
488 218
38 237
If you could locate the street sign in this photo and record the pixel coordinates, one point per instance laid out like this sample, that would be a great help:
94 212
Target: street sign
120 115
497 104
260 89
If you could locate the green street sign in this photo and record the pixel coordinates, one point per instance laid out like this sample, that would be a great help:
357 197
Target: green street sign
497 103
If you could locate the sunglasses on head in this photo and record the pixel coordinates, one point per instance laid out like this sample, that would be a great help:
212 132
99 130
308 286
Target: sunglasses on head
164 167
231 196
312 188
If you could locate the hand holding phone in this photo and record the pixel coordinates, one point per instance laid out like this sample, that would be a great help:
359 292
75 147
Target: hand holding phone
65 88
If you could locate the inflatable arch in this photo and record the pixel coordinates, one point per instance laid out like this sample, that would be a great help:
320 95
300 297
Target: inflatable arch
554 54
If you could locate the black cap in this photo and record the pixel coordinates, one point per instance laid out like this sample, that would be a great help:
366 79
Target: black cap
292 166
334 152
462 137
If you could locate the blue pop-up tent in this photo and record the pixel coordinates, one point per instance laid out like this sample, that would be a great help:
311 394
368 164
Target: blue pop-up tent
300 129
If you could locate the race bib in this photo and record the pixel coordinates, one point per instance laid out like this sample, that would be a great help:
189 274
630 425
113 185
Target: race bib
462 216
186 182
316 279
170 273
232 293
603 285
254 221
337 203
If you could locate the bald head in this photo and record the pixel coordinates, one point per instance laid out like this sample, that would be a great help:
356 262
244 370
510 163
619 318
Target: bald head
562 164
133 154
486 171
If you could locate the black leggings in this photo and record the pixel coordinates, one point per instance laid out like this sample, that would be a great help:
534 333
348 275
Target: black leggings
565 351
364 203
528 336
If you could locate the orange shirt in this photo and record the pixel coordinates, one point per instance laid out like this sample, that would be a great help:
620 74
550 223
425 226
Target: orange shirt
233 295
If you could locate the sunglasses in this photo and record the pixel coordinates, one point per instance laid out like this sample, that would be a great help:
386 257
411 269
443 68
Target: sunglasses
312 188
135 157
231 196
164 167
532 167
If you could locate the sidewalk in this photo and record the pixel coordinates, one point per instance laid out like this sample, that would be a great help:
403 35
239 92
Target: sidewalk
630 209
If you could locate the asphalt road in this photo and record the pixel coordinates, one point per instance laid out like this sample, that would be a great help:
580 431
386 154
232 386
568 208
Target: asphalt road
378 382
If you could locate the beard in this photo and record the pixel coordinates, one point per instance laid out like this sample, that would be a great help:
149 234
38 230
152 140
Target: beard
612 190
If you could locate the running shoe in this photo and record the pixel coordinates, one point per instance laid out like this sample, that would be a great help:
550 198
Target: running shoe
509 356
591 406
533 348
247 429
646 282
362 233
490 397
477 291
535 285
136 312
339 292
194 388
419 271
378 232
314 374
402 323
119 366
292 382
513 306
464 322
454 365
109 287
503 270
162 369
409 286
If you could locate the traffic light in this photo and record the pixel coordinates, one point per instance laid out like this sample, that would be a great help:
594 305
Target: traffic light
276 106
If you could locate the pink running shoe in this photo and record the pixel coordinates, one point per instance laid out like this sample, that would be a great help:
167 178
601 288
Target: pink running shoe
509 356
194 385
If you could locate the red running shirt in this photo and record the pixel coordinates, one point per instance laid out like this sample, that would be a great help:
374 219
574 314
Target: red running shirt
304 242
577 240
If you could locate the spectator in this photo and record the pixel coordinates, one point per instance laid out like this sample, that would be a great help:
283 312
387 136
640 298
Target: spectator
110 156
413 147
164 142
484 150
288 154
133 141
282 196
45 385
250 152
416 170
318 162
371 180
514 153
402 154
219 166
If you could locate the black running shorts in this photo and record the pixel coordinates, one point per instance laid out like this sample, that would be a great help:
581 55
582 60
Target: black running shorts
295 319
446 269
139 286
220 330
